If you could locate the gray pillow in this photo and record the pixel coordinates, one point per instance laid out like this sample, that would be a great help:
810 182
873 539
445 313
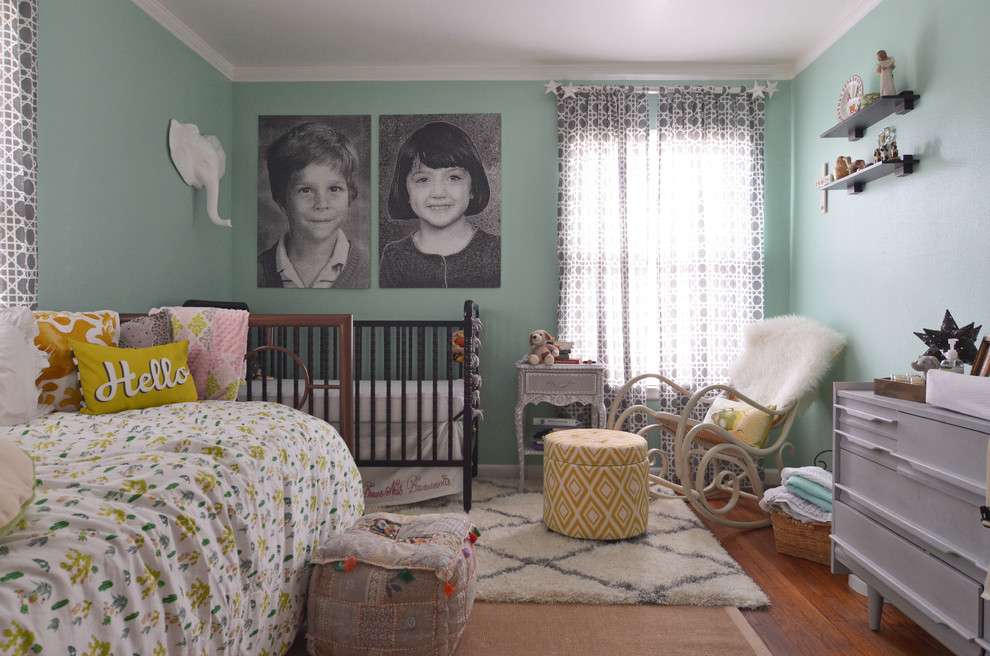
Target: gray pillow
152 330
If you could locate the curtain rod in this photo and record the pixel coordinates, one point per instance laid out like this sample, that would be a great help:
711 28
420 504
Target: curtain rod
758 90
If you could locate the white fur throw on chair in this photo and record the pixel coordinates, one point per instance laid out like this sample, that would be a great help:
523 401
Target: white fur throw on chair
784 358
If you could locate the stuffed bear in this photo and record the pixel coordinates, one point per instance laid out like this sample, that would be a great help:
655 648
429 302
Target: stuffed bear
542 347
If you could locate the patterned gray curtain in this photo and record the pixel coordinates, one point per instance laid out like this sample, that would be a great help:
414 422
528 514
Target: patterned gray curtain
18 152
660 231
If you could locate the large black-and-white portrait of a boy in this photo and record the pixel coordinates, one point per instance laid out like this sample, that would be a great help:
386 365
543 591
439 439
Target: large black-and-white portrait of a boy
439 200
314 213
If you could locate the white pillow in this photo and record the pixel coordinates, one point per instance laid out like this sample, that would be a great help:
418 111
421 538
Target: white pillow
21 362
16 485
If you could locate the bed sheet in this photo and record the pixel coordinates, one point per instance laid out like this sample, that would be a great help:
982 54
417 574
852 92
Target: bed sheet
180 529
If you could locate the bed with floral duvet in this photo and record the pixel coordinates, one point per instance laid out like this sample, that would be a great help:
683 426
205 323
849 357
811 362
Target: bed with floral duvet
182 529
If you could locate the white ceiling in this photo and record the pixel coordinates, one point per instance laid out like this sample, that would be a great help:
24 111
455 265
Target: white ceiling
507 39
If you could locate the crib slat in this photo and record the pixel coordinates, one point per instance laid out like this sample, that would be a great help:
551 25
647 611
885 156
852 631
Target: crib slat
358 335
420 365
374 397
309 364
325 366
433 372
279 363
388 393
404 373
450 396
295 367
263 360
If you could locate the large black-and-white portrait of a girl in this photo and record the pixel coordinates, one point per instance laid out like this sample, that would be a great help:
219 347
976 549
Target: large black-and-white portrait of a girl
314 210
439 207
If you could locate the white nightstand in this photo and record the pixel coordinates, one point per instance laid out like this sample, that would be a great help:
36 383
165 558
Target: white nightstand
560 385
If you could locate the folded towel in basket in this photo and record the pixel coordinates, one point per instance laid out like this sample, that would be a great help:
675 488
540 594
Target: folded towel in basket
814 474
812 492
783 499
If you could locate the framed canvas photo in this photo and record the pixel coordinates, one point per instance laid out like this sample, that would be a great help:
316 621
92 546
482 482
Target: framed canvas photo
314 209
440 200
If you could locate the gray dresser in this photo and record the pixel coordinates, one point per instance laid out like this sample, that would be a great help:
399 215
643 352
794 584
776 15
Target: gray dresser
909 482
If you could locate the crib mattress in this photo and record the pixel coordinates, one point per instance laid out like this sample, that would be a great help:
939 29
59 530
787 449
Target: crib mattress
326 402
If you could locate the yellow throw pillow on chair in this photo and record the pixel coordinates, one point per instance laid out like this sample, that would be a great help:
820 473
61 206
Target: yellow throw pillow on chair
115 379
742 420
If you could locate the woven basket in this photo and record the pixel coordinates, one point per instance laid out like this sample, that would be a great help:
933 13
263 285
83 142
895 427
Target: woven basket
809 541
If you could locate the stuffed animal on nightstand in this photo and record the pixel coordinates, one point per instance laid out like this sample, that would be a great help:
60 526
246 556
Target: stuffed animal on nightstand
542 347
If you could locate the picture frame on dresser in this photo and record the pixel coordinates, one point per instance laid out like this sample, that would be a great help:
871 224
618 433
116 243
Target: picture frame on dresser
981 364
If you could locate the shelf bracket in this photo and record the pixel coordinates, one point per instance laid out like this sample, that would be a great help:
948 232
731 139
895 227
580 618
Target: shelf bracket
906 167
856 133
905 104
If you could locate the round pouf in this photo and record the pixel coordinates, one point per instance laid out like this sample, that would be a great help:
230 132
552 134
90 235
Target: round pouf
595 484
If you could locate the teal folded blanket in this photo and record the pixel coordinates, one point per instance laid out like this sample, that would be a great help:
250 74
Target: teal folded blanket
812 492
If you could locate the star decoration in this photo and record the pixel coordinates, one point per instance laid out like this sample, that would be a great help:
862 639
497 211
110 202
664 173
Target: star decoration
569 91
937 341
551 87
757 90
771 88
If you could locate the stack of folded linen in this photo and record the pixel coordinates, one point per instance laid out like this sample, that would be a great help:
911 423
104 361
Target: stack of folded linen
806 494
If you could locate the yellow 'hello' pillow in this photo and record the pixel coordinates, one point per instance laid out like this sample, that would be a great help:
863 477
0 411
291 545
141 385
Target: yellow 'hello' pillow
115 379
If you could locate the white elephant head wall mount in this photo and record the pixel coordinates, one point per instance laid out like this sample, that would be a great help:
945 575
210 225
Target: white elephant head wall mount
200 161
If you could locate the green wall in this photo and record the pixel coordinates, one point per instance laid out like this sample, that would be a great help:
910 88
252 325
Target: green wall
529 292
118 227
889 261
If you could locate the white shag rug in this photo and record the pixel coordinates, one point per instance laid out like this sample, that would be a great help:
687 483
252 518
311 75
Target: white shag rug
677 562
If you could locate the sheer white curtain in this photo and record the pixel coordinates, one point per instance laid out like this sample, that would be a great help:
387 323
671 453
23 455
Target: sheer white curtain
660 229
18 152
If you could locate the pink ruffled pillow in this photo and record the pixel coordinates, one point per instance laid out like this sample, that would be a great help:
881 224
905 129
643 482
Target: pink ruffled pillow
217 346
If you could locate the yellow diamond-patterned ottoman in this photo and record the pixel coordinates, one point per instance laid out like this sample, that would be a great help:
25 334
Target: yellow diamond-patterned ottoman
595 484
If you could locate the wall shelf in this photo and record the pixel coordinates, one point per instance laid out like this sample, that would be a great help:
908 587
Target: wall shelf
855 126
855 182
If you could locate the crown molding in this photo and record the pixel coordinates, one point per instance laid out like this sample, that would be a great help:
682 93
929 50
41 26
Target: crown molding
186 35
856 14
620 71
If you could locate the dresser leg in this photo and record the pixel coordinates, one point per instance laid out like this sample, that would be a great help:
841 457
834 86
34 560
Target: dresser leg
876 608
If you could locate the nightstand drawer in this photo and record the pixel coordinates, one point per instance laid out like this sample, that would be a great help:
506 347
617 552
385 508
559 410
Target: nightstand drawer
562 383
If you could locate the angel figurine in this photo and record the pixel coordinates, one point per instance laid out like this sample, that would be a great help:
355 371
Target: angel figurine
885 67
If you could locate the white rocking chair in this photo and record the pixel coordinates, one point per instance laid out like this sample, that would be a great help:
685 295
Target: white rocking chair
783 361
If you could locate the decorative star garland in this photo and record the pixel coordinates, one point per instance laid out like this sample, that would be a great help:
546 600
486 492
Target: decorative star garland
937 341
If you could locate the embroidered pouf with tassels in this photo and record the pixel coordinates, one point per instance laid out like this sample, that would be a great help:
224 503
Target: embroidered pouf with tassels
595 484
393 584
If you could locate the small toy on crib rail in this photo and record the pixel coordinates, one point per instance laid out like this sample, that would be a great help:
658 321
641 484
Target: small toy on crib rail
457 347
542 348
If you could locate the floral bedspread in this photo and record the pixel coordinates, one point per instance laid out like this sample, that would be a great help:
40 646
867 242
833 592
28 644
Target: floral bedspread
183 529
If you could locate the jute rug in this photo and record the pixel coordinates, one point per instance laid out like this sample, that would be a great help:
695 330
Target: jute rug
678 561
567 630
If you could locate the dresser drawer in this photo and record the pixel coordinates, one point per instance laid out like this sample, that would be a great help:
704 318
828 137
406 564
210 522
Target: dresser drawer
946 521
857 416
959 455
562 383
872 430
941 593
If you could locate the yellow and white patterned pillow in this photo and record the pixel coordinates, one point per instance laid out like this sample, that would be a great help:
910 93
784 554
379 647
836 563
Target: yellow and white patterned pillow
741 419
58 384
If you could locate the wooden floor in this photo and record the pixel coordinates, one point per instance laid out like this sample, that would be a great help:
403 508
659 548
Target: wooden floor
813 612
